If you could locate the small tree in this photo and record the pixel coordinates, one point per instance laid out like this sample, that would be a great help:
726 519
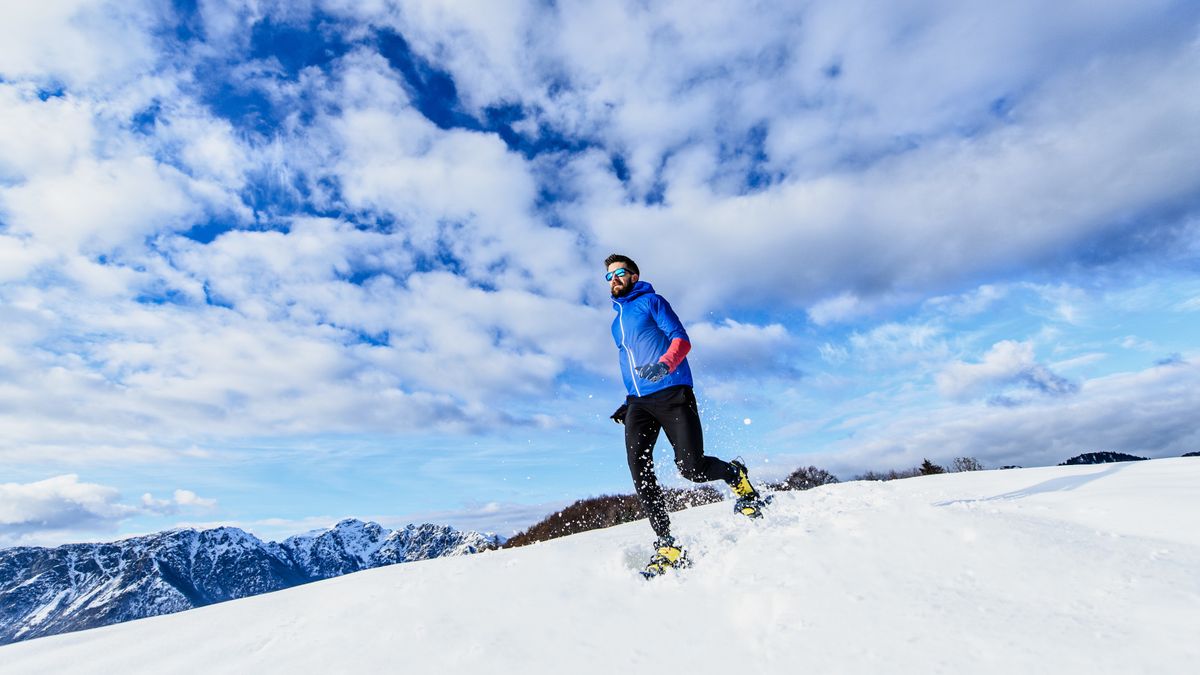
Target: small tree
966 464
928 468
807 477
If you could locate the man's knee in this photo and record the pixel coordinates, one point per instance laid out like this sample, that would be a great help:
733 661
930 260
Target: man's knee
691 472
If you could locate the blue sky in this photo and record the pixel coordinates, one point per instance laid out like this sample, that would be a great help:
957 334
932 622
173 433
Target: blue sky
274 264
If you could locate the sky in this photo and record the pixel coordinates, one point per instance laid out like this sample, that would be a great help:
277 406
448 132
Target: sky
272 264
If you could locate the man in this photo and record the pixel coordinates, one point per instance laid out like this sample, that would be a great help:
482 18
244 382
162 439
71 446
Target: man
652 349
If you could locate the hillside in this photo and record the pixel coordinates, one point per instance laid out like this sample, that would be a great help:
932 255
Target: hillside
1087 569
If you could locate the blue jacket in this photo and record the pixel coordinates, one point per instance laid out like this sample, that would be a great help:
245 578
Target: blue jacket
643 330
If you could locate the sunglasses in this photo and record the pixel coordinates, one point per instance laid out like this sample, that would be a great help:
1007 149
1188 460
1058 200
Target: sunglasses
619 272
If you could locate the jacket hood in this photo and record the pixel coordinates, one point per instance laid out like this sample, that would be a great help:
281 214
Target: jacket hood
639 289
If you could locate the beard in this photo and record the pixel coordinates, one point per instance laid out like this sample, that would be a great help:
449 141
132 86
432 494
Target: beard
621 290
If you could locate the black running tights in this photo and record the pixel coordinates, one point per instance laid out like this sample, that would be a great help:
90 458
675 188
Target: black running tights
674 411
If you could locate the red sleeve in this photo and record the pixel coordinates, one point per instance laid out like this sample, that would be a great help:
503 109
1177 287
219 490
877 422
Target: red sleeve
674 356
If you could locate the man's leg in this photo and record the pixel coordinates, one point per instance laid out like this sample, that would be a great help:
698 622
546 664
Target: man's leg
681 422
641 430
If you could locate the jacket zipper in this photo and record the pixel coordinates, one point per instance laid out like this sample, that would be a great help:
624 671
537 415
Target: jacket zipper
628 354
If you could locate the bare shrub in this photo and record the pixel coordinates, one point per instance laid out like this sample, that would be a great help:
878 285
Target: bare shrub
806 478
966 464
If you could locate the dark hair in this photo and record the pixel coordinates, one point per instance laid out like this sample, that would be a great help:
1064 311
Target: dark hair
624 260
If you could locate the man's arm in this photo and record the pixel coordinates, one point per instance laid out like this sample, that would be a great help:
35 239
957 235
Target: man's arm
676 353
670 324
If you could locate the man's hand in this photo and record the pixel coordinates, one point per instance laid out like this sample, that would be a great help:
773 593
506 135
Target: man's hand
654 371
619 415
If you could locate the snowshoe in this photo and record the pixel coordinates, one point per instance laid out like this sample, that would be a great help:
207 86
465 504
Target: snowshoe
667 556
751 507
749 502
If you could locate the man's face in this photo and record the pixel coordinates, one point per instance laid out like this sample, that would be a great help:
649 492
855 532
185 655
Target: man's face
621 285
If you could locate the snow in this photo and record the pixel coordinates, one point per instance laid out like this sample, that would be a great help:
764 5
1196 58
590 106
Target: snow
1078 569
40 616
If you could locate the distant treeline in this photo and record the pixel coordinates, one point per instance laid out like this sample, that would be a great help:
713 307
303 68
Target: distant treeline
605 511
1101 458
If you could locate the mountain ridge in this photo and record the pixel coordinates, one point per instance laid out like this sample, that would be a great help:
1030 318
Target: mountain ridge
51 590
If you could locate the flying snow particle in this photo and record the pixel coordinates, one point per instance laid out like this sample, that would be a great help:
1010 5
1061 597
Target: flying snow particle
746 421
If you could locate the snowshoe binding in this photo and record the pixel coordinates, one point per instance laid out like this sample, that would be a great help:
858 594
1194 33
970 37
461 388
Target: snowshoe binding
749 503
667 556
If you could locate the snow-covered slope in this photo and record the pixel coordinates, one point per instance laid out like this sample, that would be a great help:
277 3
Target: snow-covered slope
1074 569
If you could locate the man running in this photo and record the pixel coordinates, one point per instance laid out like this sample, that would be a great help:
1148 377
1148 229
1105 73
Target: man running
652 348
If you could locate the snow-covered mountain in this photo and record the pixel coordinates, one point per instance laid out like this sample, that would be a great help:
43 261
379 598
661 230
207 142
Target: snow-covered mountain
1069 569
44 591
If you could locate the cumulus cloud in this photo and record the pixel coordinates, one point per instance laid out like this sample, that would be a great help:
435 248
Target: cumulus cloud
1007 363
180 499
39 136
81 43
1145 413
439 352
110 203
945 212
57 503
62 505
735 349
202 239
832 151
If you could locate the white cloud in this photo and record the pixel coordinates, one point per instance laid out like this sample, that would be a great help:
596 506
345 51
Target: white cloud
1007 363
189 498
892 345
902 151
63 506
79 42
41 136
21 255
942 213
99 205
732 349
210 149
180 499
61 502
675 73
831 353
843 306
971 303
152 378
456 192
1147 413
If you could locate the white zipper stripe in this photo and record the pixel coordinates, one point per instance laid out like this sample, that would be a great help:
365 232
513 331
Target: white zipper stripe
628 355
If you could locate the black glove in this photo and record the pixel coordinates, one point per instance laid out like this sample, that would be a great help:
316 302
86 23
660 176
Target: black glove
654 372
619 415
